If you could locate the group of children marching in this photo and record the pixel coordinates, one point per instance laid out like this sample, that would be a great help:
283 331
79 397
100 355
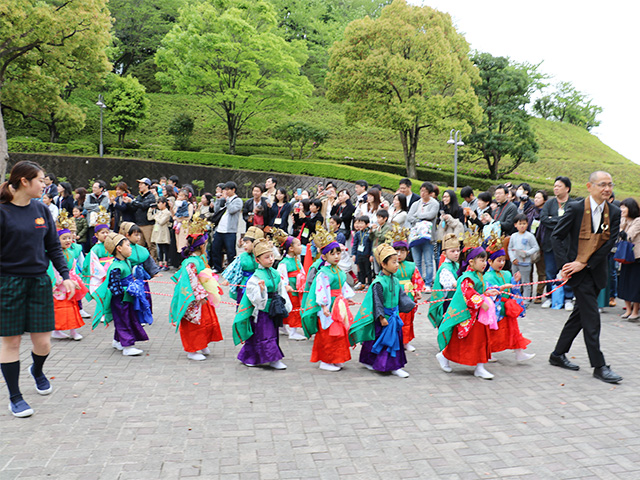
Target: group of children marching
471 307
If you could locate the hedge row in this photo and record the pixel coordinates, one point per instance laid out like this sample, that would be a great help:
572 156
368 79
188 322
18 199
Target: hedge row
75 148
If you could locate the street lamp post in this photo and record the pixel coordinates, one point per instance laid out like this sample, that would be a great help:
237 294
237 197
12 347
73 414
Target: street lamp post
456 141
100 103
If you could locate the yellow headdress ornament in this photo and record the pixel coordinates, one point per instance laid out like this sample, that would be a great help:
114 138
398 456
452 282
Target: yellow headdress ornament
398 236
64 222
324 240
472 238
103 218
383 251
198 225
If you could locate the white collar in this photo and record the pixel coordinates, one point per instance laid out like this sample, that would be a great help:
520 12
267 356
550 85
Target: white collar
594 204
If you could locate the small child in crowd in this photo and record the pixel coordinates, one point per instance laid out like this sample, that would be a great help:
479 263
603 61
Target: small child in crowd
378 235
97 261
446 279
161 235
81 227
361 252
243 266
522 247
290 268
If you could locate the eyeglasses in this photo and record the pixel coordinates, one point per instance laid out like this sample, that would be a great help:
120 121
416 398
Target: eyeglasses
605 184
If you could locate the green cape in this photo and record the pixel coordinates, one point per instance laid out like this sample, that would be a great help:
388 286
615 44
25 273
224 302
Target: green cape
139 255
363 328
436 309
103 295
458 311
248 264
309 314
183 294
497 279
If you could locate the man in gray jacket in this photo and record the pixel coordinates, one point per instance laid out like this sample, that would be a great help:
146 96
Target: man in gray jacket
227 229
425 209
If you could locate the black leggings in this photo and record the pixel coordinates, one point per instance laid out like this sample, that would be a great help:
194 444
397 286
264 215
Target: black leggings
163 252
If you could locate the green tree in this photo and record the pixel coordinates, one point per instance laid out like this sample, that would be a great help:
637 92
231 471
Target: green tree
181 128
50 45
127 104
504 132
408 70
567 104
231 53
296 135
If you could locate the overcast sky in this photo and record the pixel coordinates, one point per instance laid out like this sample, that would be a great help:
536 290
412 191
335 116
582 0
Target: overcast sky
593 45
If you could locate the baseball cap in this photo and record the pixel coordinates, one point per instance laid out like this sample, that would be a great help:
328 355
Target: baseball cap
145 180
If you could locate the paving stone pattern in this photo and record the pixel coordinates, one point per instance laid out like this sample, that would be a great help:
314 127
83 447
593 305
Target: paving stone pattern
161 416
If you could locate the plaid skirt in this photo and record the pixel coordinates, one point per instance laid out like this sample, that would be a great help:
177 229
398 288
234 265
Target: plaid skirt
26 305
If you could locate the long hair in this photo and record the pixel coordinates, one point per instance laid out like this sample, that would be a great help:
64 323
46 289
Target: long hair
82 196
20 170
67 189
452 208
375 193
402 199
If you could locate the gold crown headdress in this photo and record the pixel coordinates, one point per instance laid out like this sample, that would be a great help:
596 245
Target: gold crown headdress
322 237
472 238
64 222
397 234
279 236
103 217
262 246
198 225
493 243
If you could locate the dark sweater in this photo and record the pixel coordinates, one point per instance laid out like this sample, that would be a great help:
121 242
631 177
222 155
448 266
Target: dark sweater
28 240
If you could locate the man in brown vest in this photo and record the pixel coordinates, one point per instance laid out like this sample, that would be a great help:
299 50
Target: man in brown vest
591 228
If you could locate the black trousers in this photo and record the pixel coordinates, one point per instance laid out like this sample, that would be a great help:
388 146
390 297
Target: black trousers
223 241
364 270
586 317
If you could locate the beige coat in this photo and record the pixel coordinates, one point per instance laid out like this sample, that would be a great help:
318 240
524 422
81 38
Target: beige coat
161 228
632 228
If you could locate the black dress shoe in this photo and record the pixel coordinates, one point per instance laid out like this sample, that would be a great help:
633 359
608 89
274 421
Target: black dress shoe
606 375
562 362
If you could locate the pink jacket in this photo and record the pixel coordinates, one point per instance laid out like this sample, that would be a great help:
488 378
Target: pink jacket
632 227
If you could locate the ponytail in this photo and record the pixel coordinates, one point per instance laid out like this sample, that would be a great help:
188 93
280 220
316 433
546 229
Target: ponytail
20 170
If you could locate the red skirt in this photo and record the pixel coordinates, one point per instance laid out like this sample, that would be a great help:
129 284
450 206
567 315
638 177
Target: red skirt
330 348
196 337
407 328
293 319
508 336
472 349
67 313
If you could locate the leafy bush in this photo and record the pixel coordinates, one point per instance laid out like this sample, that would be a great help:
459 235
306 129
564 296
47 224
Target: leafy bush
181 128
296 135
25 139
81 147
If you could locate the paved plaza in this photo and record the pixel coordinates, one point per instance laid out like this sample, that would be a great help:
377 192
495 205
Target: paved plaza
161 416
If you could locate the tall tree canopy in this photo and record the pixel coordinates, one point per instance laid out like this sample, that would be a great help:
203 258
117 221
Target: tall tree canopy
46 45
408 70
232 54
127 104
567 104
504 132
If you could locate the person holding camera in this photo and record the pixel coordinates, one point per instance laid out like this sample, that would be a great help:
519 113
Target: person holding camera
121 206
256 212
141 205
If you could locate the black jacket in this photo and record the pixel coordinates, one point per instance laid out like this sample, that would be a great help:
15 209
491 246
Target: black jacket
345 212
248 208
566 251
141 205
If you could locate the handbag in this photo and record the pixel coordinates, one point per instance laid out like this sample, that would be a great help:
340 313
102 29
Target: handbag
217 216
420 233
624 253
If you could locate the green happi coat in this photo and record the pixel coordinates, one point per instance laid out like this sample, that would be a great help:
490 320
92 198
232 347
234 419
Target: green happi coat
139 255
436 310
103 295
405 274
458 311
183 294
309 314
497 279
242 328
363 328
248 264
293 265
71 254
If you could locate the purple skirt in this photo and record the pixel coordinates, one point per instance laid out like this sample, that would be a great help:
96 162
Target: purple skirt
261 347
383 361
128 330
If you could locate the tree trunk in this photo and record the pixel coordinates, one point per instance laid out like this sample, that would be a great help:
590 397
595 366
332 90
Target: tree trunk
4 149
409 140
121 135
232 132
53 132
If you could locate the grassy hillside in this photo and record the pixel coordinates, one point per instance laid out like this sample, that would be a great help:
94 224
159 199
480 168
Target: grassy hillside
564 149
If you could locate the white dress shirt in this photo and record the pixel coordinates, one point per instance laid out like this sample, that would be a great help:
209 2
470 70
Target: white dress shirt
596 214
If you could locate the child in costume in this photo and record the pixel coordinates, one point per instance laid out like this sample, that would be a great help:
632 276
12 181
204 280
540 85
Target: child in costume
507 336
144 267
261 310
290 268
446 279
195 295
67 310
378 325
97 261
410 280
326 311
462 338
122 299
243 266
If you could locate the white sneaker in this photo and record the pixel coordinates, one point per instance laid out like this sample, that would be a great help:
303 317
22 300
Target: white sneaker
284 330
329 367
427 289
568 305
546 303
75 335
444 362
117 345
368 367
206 351
131 351
196 356
249 364
409 348
493 360
59 334
294 335
522 356
482 372
279 365
400 373
84 314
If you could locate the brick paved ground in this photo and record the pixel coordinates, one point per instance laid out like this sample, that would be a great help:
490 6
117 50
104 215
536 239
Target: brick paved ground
162 416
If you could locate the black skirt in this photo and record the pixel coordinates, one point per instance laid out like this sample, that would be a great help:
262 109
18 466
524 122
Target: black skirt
629 282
